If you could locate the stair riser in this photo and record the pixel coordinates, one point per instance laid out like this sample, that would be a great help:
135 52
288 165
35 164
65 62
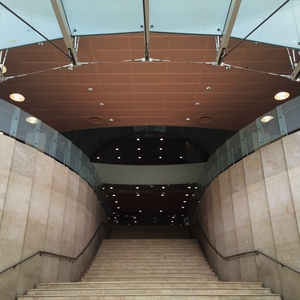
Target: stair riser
148 285
152 297
194 292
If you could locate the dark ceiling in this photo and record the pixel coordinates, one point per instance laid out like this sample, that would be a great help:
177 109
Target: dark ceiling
112 99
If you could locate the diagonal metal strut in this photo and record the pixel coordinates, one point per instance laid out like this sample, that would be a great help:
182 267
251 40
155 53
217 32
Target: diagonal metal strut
232 14
146 30
65 30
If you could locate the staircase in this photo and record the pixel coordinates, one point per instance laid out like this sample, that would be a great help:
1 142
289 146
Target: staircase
135 269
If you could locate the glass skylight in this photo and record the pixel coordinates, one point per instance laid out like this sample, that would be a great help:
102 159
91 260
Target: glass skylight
170 16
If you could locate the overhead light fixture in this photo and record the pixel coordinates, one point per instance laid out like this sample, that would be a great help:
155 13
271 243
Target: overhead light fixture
90 89
208 88
161 211
180 157
17 97
32 120
111 120
197 103
137 187
138 139
281 96
98 157
161 139
117 149
160 149
188 119
160 157
3 69
101 104
139 149
119 157
266 119
139 157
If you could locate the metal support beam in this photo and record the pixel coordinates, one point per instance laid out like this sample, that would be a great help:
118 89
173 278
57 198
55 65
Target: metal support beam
146 30
232 14
295 76
65 30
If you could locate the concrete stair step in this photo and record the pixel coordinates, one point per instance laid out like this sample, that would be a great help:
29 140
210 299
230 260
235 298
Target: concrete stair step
101 260
142 266
154 297
153 272
150 278
151 284
148 291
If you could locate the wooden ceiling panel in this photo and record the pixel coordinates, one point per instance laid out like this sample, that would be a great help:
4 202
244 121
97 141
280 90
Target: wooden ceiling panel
148 93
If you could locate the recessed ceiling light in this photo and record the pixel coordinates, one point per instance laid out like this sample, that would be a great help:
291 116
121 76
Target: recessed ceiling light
137 187
138 194
139 149
189 187
114 195
41 44
17 97
111 187
90 89
160 157
161 139
160 149
117 149
204 119
186 195
32 120
184 201
163 187
162 194
139 157
98 157
281 96
116 201
111 120
208 88
161 210
182 207
138 139
94 120
140 210
101 104
118 207
3 69
180 156
266 119
119 157
188 119
197 103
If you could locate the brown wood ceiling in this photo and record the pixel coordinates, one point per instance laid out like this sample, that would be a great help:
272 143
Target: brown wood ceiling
148 93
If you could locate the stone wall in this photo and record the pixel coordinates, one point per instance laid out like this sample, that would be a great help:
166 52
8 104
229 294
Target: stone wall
43 206
255 205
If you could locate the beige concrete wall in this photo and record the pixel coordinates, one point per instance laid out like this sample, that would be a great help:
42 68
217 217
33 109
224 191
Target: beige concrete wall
255 205
43 206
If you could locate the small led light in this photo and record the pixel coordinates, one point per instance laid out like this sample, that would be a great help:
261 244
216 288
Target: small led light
161 139
266 119
180 157
111 188
138 149
208 88
117 149
188 119
160 149
162 194
98 157
119 157
137 139
140 211
138 195
116 201
281 96
111 120
17 97
163 187
114 195
139 157
90 89
32 120
160 157
137 187
118 207
161 211
197 103
186 195
101 104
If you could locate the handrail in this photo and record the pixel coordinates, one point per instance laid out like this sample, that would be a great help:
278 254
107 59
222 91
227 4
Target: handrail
257 252
69 258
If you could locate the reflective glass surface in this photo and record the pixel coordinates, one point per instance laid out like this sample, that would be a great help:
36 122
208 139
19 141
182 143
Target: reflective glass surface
91 17
38 13
192 16
282 29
